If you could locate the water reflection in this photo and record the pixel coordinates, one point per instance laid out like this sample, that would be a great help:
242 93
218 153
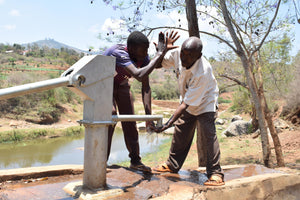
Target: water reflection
41 152
148 143
67 150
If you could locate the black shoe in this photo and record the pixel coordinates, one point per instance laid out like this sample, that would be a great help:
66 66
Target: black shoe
140 167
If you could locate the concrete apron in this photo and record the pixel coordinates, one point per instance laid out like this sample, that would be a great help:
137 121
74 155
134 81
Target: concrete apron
267 186
242 182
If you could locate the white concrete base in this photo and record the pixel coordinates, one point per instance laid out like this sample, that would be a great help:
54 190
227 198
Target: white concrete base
77 191
274 186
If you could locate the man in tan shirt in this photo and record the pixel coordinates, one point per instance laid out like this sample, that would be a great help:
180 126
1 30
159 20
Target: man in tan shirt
199 95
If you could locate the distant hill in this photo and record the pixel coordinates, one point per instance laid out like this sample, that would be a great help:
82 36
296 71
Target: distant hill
51 43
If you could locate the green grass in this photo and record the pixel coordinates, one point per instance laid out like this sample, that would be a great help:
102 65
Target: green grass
3 76
154 158
17 135
221 100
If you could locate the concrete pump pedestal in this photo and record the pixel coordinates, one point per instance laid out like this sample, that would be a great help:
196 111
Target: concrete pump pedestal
78 191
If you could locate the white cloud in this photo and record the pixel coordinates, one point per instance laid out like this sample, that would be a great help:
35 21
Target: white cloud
95 28
2 1
113 25
9 27
14 12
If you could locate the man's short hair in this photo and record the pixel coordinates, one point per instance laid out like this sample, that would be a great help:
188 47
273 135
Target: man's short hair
193 43
136 38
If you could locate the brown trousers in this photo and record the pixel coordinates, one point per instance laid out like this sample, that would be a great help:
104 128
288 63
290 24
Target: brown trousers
183 137
123 100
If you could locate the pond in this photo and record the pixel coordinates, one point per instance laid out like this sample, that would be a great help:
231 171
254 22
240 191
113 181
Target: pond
68 150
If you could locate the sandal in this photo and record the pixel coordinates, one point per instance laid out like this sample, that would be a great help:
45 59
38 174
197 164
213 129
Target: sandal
214 180
163 168
140 167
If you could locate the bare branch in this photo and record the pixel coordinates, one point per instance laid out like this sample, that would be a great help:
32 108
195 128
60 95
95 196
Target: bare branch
269 29
182 29
235 80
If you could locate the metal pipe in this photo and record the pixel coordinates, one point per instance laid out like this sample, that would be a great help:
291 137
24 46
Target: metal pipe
15 91
124 118
128 118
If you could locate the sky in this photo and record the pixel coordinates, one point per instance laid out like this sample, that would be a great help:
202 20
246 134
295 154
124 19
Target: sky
77 23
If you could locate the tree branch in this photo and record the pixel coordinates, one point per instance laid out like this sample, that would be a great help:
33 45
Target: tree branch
269 29
182 29
235 80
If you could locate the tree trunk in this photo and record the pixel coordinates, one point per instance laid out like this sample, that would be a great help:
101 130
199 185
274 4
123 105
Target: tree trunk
259 107
268 116
193 28
192 19
276 141
251 83
254 118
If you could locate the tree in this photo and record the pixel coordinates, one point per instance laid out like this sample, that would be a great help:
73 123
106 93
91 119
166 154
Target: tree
245 27
12 61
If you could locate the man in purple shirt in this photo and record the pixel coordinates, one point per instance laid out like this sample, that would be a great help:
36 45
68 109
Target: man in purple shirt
132 61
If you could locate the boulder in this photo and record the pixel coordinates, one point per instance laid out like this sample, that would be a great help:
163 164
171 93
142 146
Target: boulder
280 125
220 121
237 128
236 117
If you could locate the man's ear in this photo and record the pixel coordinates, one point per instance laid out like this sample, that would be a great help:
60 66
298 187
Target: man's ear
200 55
130 49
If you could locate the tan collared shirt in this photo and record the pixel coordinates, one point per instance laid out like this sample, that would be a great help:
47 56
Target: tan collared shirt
197 85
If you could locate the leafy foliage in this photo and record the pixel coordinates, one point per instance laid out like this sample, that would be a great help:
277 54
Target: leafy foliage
163 84
167 90
241 101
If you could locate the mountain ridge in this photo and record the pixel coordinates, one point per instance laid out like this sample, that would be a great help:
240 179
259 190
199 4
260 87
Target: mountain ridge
51 43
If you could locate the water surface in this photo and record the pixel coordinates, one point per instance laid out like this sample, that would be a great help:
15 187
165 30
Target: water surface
68 150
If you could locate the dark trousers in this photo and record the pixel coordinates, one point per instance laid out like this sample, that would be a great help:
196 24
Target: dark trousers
183 137
123 100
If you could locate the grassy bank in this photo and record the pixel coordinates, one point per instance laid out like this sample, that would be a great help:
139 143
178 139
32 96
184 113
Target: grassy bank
234 150
17 135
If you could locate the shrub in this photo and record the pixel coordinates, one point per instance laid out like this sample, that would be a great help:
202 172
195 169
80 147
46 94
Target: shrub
221 100
164 88
241 101
167 90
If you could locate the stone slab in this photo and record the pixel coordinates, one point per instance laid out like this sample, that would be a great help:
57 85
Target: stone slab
260 187
39 172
